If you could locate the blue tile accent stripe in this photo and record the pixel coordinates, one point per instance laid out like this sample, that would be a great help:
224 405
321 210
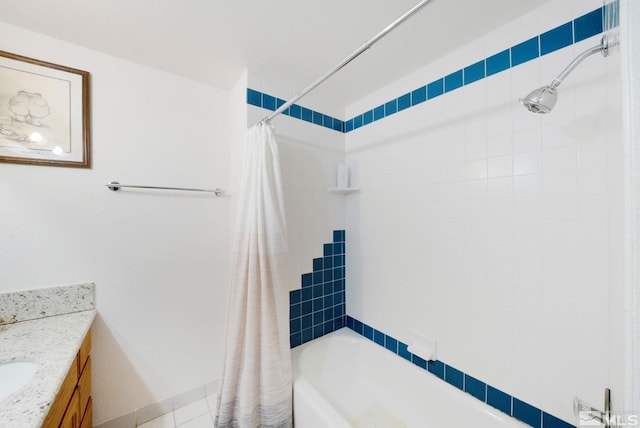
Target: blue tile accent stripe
269 102
435 88
565 35
453 81
475 387
588 25
527 413
557 38
498 62
419 96
571 32
525 51
318 307
474 72
502 401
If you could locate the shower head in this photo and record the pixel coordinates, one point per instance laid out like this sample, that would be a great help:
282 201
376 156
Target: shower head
543 99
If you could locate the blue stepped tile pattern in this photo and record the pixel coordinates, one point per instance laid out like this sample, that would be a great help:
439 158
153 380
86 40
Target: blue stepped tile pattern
318 307
502 401
571 32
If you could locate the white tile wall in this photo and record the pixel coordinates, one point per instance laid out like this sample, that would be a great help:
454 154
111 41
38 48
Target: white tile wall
490 227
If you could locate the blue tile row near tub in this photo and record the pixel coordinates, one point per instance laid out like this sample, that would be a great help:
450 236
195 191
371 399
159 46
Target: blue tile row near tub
269 102
560 37
477 388
318 307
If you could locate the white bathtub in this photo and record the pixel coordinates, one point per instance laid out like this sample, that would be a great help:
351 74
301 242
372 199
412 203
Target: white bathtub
344 380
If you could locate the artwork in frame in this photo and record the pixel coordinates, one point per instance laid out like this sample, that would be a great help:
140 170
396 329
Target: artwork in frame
44 113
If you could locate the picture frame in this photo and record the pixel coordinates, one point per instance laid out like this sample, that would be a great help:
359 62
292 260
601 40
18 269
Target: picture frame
45 116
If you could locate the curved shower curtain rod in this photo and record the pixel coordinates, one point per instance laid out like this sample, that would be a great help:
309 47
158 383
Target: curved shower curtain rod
348 59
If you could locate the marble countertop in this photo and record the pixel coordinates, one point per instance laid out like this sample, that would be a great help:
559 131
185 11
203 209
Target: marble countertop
52 343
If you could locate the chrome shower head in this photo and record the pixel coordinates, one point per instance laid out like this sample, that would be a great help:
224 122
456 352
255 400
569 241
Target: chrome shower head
542 100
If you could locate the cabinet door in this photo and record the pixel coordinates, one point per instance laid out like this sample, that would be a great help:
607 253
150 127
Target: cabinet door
61 402
87 419
72 416
83 353
84 386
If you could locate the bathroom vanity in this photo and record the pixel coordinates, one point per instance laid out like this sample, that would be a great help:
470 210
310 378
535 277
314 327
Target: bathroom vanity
54 389
72 405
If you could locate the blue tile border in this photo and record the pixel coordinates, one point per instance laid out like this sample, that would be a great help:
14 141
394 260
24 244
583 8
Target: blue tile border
269 102
454 377
574 31
562 36
475 387
498 62
418 96
588 25
453 81
527 413
558 38
474 72
500 400
525 51
435 88
550 421
318 306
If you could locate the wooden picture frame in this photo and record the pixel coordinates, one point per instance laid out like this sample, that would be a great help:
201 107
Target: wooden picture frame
44 113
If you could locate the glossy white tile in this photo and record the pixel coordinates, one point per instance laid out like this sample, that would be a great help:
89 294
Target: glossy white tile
191 411
527 163
164 421
203 421
199 414
500 166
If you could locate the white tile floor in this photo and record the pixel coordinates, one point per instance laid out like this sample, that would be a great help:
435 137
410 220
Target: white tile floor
199 414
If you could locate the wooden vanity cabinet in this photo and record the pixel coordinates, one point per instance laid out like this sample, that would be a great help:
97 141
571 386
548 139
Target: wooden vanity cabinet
72 406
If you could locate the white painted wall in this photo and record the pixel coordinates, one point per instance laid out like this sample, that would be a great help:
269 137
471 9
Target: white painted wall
159 260
498 231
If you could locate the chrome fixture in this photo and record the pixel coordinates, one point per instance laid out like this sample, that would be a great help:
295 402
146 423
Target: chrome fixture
543 99
353 55
115 186
586 413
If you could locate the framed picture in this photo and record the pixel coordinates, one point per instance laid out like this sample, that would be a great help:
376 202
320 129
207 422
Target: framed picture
44 113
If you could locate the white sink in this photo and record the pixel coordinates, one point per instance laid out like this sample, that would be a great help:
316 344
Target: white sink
14 375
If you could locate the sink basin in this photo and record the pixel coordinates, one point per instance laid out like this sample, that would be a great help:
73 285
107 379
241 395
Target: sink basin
14 375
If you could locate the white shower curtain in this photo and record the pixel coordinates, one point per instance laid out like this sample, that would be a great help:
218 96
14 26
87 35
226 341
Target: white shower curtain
255 390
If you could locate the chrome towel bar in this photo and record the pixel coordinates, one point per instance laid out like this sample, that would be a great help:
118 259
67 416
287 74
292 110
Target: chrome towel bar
114 185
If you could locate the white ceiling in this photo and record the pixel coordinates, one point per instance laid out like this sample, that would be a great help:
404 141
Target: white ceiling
289 41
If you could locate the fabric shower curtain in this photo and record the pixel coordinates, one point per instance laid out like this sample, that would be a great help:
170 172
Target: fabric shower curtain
255 390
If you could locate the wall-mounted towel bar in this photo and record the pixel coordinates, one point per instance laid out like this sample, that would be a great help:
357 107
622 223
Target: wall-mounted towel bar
114 185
